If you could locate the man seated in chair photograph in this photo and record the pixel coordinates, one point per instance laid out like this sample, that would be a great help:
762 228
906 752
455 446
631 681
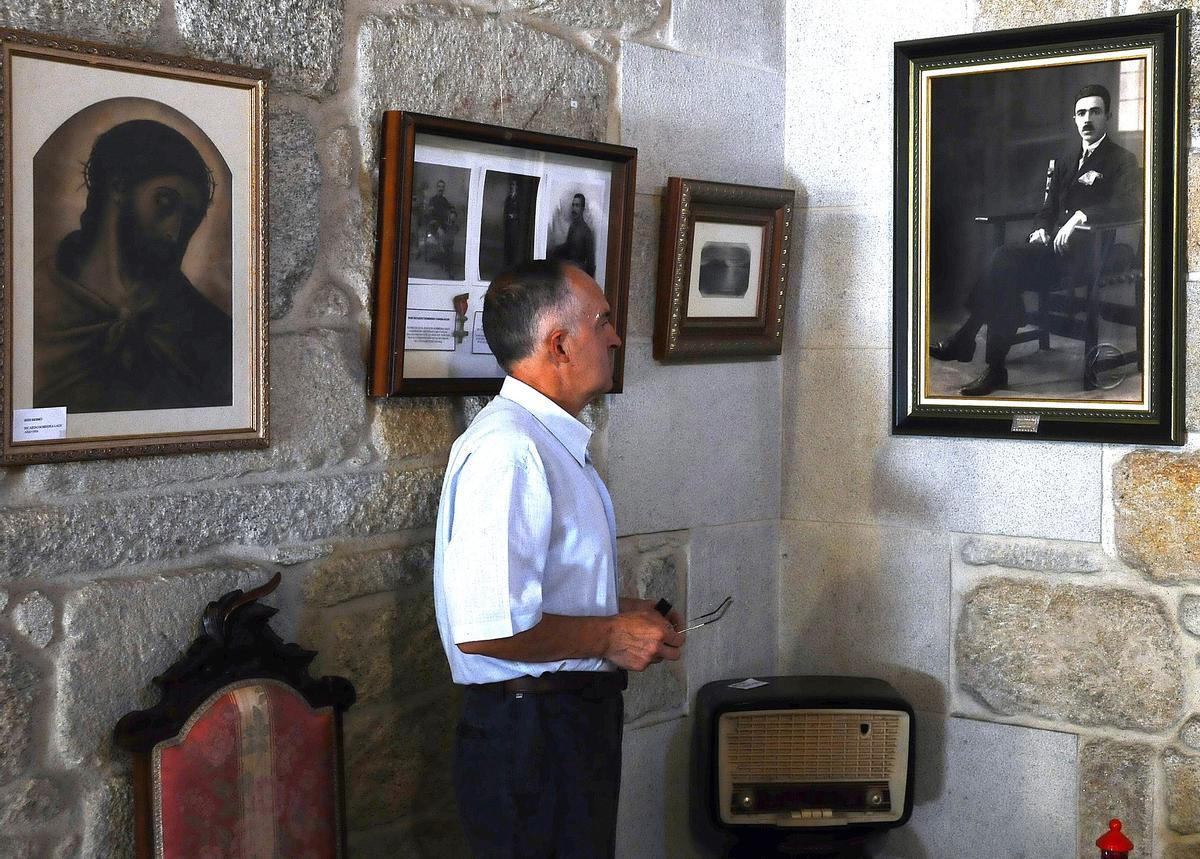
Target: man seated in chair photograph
525 582
1095 182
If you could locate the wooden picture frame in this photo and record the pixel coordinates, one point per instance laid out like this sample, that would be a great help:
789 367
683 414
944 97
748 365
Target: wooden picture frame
1040 232
459 202
722 270
133 291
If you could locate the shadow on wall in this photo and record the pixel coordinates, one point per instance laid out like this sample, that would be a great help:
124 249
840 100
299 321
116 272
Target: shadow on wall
436 831
905 842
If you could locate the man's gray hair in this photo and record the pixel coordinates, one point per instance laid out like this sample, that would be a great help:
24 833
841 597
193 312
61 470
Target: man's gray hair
517 304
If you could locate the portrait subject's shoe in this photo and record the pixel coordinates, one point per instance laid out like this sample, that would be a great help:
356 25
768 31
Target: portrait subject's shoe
953 349
992 378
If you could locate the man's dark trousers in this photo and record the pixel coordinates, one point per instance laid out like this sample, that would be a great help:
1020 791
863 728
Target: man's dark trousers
1013 269
538 775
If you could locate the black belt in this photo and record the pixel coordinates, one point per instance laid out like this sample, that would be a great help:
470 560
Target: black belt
590 683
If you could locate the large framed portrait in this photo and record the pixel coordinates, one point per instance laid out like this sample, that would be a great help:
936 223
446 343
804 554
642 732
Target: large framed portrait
722 270
1039 232
459 203
133 293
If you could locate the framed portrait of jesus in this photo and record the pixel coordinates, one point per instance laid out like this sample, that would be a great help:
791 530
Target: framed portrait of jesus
134 281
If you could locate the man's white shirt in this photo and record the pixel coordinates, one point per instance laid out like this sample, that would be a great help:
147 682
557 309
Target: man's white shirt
525 525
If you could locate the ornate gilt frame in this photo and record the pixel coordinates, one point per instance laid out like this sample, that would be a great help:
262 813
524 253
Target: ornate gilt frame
680 336
248 423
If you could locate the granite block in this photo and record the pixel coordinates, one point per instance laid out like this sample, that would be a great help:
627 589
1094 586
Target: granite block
117 634
318 419
655 567
749 32
463 63
1032 555
967 793
103 534
1025 648
1156 501
298 41
840 463
740 561
1003 14
643 268
621 16
295 177
867 601
124 22
693 444
19 696
652 815
689 116
1116 780
840 293
839 93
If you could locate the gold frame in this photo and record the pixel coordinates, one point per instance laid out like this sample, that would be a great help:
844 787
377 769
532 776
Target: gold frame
249 427
679 335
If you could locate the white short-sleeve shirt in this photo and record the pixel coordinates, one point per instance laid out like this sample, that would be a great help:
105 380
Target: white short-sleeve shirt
525 525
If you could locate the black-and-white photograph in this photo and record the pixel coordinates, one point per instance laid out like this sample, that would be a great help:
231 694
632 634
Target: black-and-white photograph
576 218
437 245
724 269
506 229
1036 240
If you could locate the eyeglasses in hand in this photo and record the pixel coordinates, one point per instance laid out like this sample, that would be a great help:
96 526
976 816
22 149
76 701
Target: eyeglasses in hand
713 616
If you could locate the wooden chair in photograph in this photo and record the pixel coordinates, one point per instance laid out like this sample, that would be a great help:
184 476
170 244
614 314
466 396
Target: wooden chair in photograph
242 756
1075 306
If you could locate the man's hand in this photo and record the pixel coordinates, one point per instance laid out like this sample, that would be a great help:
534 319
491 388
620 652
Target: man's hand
641 636
1039 237
635 604
1064 234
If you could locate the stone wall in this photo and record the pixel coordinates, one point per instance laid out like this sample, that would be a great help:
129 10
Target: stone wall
105 566
1037 602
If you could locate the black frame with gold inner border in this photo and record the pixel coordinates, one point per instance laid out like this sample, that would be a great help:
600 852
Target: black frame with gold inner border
1157 417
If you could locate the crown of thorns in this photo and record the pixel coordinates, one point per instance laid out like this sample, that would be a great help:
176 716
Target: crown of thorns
162 154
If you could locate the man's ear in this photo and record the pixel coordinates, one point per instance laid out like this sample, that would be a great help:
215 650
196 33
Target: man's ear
557 346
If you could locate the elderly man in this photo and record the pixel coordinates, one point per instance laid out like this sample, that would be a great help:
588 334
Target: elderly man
1096 181
525 582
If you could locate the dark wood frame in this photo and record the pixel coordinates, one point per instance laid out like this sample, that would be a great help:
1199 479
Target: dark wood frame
396 159
153 65
1166 34
680 338
236 645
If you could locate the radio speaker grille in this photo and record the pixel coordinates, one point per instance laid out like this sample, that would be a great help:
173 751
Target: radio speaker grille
818 745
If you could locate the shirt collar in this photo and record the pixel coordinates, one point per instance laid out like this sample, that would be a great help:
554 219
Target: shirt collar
573 434
1088 150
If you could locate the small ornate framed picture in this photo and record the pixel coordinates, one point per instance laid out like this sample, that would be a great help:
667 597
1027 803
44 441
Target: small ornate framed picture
722 271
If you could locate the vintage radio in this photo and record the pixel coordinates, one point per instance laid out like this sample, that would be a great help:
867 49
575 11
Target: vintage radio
814 754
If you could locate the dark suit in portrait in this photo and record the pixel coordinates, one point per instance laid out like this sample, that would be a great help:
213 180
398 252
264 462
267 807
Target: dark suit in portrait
579 247
1094 182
